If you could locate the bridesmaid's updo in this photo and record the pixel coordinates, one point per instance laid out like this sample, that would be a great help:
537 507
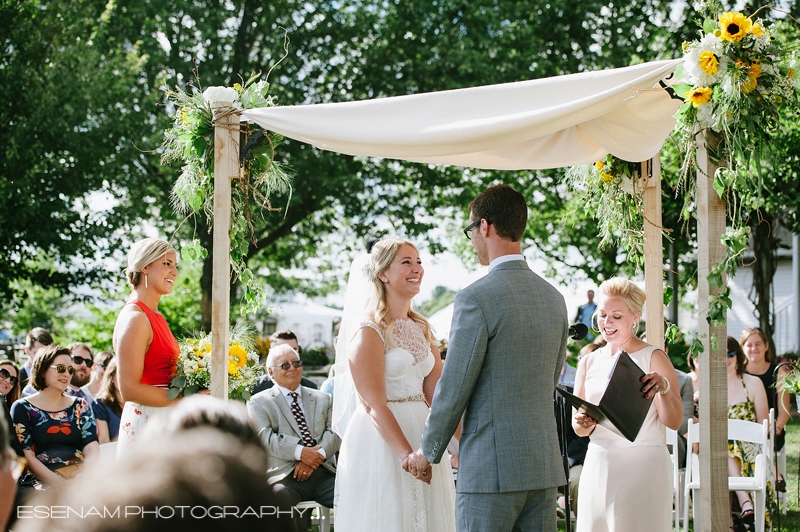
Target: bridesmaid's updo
143 253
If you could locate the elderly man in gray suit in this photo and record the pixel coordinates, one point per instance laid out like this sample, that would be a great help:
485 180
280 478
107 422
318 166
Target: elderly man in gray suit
295 424
507 345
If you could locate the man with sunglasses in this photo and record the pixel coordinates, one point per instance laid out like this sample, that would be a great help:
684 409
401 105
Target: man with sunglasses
82 361
294 423
279 338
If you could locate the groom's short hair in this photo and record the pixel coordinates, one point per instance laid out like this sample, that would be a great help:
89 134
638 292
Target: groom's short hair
504 208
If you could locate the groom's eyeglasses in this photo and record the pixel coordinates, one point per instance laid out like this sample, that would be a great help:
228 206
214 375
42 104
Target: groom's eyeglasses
468 229
286 365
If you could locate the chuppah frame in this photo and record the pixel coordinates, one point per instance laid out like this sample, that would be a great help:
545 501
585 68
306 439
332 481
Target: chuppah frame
713 499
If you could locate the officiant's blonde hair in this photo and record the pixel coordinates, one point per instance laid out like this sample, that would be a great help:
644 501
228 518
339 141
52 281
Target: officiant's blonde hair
623 288
382 254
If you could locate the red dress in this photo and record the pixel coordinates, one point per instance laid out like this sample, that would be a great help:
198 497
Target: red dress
160 362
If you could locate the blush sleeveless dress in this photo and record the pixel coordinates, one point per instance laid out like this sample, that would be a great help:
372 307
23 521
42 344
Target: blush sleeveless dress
373 492
624 485
160 362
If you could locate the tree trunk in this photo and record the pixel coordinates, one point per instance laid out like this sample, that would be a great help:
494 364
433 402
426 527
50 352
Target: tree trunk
766 262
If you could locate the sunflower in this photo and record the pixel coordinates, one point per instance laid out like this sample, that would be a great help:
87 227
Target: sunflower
734 26
237 355
698 96
709 62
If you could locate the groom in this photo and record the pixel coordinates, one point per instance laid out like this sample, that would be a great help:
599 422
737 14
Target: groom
507 344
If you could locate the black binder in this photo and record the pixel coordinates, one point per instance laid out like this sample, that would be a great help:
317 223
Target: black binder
624 406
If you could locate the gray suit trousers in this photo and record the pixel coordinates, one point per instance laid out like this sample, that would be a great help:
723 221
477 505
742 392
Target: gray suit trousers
511 511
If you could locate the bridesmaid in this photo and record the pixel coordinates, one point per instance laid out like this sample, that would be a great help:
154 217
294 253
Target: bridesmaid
146 350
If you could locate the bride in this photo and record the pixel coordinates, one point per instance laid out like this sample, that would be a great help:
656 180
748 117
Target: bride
387 366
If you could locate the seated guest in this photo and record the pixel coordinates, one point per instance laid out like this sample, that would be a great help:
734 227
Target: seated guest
101 361
56 430
36 339
201 479
108 405
9 390
82 361
280 338
294 422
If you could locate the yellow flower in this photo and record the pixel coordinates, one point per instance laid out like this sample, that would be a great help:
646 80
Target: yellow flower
698 96
790 74
237 355
183 115
734 26
685 45
599 165
749 85
237 87
709 62
607 178
233 369
756 30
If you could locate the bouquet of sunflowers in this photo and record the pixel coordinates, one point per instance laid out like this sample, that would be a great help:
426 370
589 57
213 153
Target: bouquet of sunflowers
739 78
194 371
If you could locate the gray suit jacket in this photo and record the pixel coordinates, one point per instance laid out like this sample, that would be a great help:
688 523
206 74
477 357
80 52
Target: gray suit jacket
508 341
279 430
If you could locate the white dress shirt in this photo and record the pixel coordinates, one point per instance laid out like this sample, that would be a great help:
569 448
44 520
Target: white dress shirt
504 258
285 391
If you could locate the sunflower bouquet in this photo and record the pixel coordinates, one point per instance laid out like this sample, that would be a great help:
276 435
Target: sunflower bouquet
739 78
194 366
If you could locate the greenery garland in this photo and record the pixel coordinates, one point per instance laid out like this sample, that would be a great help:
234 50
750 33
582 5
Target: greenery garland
613 195
739 80
191 140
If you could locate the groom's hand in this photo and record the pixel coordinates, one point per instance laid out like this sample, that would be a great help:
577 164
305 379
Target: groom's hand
418 465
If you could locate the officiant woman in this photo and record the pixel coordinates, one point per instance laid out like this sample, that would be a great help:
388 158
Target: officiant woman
626 485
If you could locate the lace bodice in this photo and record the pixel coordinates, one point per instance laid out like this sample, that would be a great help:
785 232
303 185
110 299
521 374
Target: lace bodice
407 364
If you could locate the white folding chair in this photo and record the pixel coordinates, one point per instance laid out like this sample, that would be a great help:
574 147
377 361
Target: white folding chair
672 439
781 460
746 431
321 515
108 451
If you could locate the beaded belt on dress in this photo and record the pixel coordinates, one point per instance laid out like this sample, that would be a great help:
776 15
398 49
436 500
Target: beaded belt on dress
418 397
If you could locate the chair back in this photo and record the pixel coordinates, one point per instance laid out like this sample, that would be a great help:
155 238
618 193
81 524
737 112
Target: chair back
672 440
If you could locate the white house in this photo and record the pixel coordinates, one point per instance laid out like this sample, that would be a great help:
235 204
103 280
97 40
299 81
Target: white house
312 323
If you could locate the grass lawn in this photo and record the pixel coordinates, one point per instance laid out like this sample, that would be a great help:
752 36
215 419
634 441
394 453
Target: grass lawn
791 521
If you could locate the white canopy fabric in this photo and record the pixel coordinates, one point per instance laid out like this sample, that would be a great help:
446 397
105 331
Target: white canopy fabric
544 123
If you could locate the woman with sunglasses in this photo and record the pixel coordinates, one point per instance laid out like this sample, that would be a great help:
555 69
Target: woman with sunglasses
56 430
9 382
146 351
747 400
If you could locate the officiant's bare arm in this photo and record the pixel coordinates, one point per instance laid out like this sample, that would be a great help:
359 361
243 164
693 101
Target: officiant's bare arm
582 424
366 358
670 404
429 384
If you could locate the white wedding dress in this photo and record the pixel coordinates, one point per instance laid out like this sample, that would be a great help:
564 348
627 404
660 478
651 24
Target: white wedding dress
373 492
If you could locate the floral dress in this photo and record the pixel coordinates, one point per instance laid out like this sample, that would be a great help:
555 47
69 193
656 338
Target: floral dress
56 438
745 452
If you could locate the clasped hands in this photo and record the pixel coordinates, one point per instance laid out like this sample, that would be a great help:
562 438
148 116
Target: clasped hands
419 466
310 460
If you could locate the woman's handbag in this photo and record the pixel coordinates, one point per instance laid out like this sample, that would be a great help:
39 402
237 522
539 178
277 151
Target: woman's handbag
69 472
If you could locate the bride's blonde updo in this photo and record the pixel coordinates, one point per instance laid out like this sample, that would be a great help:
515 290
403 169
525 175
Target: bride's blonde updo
381 257
143 253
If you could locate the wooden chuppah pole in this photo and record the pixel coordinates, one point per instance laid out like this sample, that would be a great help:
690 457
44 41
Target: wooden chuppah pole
226 167
653 251
711 505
